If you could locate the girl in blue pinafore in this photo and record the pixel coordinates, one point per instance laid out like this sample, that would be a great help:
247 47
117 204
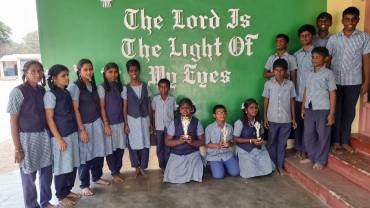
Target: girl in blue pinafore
31 140
62 124
86 106
111 108
254 159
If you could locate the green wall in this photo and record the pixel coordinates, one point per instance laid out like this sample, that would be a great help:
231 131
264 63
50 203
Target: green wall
74 29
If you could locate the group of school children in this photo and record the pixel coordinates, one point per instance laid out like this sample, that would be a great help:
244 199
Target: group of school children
73 126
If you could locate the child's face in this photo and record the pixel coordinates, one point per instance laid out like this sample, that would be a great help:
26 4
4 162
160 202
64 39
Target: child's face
111 74
87 72
251 111
133 72
281 44
279 73
163 89
323 24
306 38
350 22
186 110
34 73
318 60
220 115
61 79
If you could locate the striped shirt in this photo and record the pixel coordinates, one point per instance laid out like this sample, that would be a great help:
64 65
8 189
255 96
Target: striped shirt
304 66
163 111
318 41
279 100
319 84
292 63
346 55
214 136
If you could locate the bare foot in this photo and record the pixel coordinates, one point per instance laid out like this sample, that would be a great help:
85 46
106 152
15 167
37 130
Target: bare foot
318 166
336 147
117 179
298 155
103 182
87 192
74 196
348 148
137 172
305 161
66 203
281 171
142 172
121 176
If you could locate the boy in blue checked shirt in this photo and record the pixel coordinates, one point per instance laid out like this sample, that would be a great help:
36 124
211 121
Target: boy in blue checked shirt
350 62
318 109
279 117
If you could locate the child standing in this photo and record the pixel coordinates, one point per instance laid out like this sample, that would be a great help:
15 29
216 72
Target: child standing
164 107
350 62
279 115
281 45
184 136
62 124
303 56
318 109
86 107
254 159
218 140
323 23
111 110
137 110
30 138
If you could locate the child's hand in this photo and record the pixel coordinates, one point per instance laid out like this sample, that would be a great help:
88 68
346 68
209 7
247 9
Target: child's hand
83 136
331 119
189 140
294 124
266 123
62 145
127 129
258 142
107 130
182 139
302 113
225 144
19 156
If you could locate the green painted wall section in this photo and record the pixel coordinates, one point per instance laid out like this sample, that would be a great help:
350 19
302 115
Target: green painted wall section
74 29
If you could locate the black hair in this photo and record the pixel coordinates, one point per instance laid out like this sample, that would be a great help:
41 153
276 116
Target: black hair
351 10
284 36
28 65
132 62
321 51
164 81
218 106
246 104
118 83
53 72
185 101
79 82
307 27
280 63
324 15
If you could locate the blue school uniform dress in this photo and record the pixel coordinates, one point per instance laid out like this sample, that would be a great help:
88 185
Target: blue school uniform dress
91 153
279 117
253 160
220 158
27 102
185 163
138 121
316 133
304 62
346 64
163 114
65 163
116 143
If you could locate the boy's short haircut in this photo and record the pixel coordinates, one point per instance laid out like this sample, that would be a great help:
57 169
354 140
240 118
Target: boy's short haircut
285 37
164 81
282 63
324 15
351 10
132 63
321 51
307 27
218 106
